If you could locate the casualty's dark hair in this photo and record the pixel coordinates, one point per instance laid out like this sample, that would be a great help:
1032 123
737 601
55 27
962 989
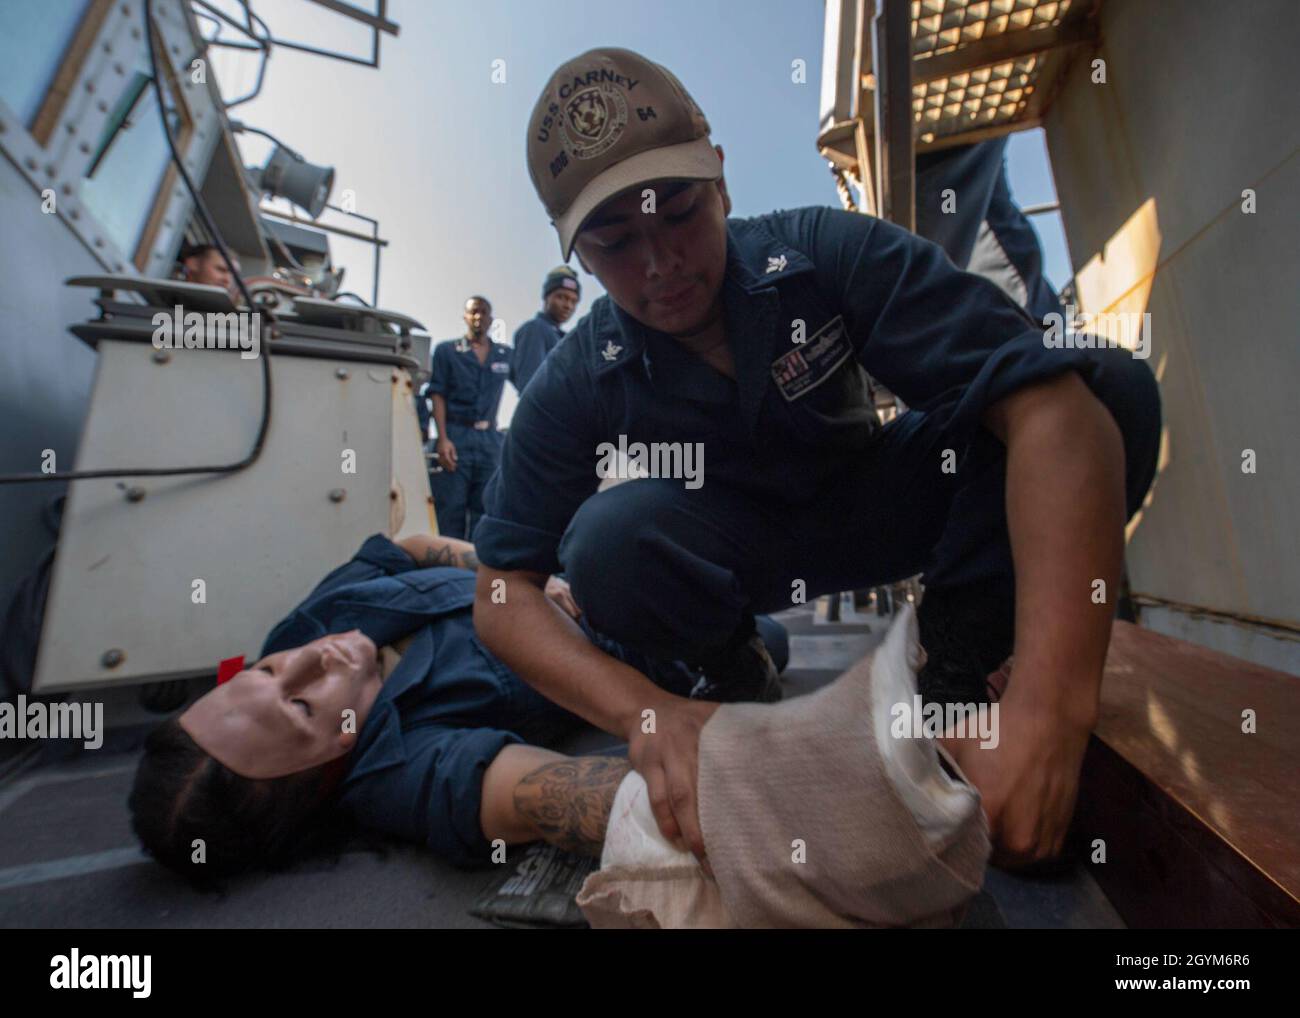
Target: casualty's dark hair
182 794
475 297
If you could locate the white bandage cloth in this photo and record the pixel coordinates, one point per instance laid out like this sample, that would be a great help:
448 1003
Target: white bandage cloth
813 816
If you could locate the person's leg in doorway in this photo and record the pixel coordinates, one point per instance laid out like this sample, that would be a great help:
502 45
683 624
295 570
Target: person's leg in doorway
964 204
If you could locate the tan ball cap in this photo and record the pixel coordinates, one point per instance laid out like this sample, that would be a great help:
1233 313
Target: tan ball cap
607 121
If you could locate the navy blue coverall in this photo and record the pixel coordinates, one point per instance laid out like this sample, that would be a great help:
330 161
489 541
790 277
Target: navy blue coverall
473 394
533 340
803 492
985 233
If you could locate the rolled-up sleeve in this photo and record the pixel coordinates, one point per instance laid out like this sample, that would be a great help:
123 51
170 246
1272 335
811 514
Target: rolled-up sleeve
944 341
547 469
435 797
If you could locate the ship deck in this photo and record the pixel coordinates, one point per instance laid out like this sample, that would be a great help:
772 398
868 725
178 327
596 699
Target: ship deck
69 860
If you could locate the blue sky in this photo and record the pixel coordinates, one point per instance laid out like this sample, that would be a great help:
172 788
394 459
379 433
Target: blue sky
434 149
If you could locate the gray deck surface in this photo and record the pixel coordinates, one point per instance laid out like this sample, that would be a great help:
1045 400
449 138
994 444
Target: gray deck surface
68 858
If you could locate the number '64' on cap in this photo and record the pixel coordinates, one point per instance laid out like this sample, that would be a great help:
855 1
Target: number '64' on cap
607 121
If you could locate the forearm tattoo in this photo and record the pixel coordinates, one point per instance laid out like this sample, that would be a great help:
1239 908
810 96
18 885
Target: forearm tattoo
438 556
569 801
444 555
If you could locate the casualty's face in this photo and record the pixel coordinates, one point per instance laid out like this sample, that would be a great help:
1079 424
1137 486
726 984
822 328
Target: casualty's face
560 305
478 317
665 269
286 713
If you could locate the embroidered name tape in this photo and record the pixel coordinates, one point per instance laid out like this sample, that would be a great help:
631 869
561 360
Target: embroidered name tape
797 372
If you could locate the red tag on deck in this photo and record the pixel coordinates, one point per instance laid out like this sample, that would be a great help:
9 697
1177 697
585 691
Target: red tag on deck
229 668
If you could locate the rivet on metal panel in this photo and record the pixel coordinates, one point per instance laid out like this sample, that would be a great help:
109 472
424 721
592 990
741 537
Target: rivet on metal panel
83 147
90 86
99 242
112 658
74 214
340 372
70 127
50 170
135 33
162 356
30 163
2 127
108 47
135 494
337 494
66 188
119 69
102 106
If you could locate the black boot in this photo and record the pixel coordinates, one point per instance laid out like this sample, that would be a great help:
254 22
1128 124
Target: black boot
744 672
967 633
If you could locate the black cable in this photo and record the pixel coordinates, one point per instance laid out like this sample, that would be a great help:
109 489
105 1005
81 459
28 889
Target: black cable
215 235
239 127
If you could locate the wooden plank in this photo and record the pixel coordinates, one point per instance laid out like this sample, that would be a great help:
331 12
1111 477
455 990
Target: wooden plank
1200 818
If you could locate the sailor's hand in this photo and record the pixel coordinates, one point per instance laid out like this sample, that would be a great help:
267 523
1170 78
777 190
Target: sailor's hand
447 454
1029 781
664 747
558 591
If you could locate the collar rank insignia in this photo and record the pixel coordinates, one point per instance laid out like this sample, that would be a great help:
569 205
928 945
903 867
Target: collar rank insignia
776 264
611 351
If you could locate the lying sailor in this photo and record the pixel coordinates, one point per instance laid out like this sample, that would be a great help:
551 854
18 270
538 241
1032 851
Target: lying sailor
374 696
408 724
